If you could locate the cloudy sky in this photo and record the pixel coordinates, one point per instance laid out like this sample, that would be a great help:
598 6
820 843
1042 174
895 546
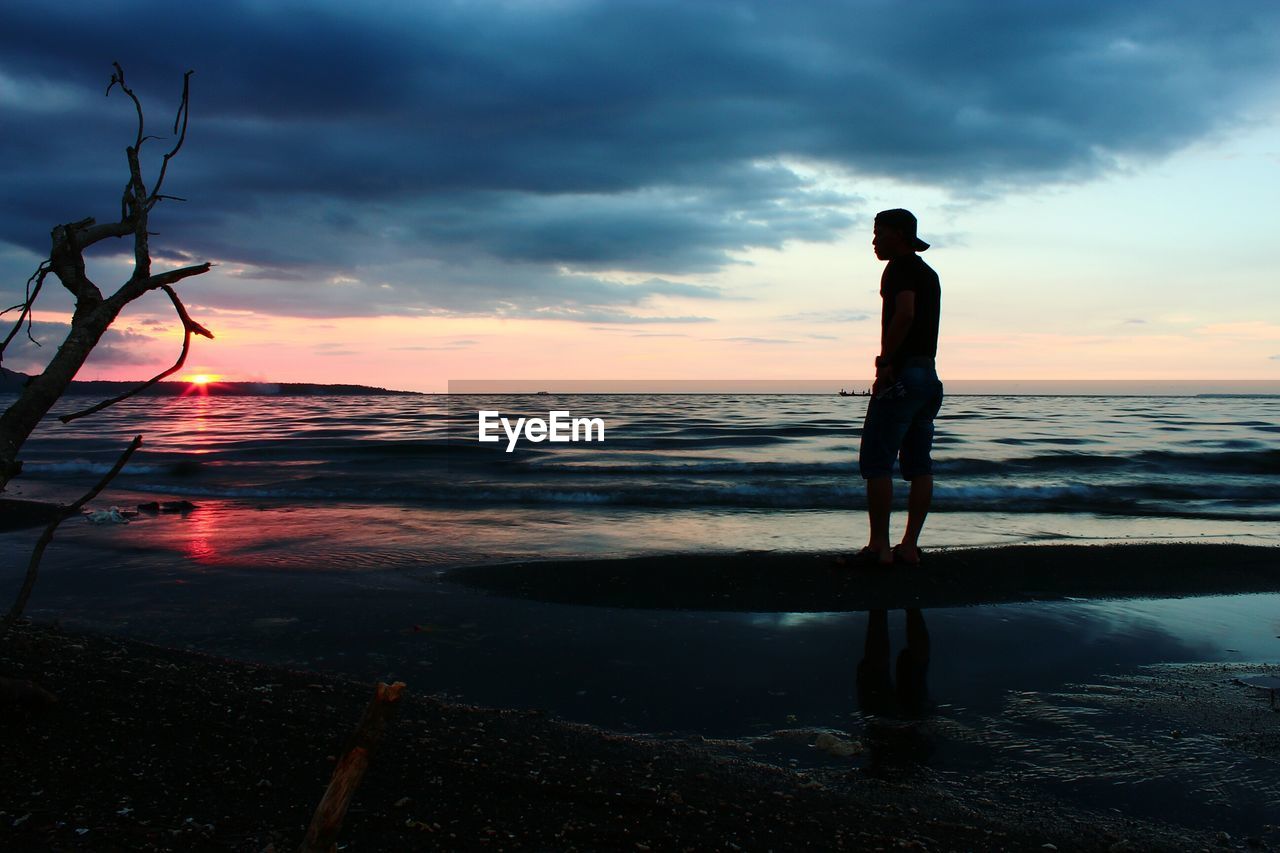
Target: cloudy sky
407 193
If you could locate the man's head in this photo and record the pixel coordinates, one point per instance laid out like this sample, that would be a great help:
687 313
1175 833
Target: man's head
895 235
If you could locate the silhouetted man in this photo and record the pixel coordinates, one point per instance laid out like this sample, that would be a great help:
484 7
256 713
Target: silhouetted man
907 394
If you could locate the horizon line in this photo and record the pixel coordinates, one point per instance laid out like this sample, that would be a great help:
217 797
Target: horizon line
1031 387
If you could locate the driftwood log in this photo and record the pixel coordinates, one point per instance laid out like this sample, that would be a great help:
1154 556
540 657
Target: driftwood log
326 823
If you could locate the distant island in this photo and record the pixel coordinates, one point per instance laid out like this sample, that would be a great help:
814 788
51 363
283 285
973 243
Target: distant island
11 382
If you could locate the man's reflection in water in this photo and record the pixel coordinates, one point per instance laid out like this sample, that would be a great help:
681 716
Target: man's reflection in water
893 705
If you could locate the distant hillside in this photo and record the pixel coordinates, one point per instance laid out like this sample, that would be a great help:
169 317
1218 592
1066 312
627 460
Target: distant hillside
12 382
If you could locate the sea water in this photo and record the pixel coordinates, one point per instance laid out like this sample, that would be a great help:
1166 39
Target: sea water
707 470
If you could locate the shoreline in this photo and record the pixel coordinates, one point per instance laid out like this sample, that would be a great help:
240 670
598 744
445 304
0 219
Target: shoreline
19 514
152 748
764 581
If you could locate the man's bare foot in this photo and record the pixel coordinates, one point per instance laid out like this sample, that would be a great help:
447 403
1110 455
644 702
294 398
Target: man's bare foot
868 556
878 556
907 555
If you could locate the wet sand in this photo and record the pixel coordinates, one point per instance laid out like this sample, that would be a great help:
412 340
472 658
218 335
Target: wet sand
156 749
767 581
151 748
21 514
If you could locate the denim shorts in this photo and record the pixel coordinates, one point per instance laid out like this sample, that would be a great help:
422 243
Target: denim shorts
899 424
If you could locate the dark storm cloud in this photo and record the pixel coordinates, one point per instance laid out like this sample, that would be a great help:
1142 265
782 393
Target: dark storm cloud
464 290
427 145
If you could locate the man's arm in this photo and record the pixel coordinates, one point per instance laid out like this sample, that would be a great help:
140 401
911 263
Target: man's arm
904 312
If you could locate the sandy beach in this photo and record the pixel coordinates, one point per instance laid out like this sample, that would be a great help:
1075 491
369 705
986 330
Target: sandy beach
155 749
789 582
151 748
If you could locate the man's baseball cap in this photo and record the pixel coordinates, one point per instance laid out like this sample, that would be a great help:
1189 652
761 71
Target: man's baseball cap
904 221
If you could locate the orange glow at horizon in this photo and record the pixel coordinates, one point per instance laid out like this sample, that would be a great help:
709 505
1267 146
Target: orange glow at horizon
748 343
200 383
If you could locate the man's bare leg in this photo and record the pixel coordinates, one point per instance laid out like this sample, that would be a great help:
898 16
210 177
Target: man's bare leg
879 506
918 501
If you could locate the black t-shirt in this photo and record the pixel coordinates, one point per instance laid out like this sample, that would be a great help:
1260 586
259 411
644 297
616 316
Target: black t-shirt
912 273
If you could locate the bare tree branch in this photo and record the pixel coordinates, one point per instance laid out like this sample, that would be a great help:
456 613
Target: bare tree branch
117 79
67 262
134 288
187 322
32 294
137 206
180 128
174 276
134 202
33 567
92 233
189 327
36 278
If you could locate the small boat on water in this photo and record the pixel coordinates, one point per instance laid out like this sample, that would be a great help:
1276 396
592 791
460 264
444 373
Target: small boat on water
844 393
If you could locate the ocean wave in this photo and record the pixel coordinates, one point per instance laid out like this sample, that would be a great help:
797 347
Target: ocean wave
1220 502
578 460
689 468
1262 462
72 467
1001 455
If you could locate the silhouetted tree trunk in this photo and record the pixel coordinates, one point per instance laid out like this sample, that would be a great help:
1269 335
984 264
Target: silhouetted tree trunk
95 313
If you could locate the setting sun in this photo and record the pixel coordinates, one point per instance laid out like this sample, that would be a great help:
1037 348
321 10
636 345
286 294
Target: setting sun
200 383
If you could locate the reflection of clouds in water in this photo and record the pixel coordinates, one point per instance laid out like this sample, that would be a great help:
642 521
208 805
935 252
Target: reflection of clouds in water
794 620
1235 627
